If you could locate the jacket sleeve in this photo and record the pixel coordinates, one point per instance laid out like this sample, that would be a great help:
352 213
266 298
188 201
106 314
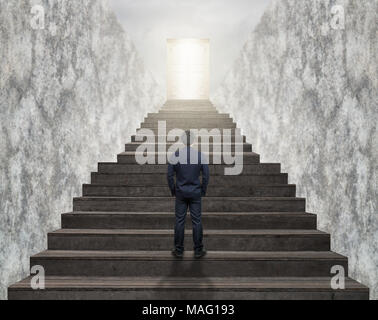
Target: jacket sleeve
205 175
171 179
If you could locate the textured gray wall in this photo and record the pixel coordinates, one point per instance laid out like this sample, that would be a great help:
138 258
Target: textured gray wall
70 95
306 95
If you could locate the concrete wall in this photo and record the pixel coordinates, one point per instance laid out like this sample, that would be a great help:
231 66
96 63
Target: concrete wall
306 95
70 95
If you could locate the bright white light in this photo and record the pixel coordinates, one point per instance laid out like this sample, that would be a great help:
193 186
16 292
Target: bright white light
188 63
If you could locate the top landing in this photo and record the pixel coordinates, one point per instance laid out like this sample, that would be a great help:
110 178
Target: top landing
189 105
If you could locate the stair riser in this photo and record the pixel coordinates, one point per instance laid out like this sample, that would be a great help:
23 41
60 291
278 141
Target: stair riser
187 116
241 191
113 267
210 139
179 114
165 205
179 109
220 222
199 123
116 168
155 128
195 102
186 294
161 180
210 147
156 131
183 104
247 159
189 107
213 243
206 113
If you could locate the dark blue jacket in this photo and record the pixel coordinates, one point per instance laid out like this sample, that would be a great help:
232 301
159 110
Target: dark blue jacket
188 170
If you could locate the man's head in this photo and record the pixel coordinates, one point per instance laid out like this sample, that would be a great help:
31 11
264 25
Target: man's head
188 138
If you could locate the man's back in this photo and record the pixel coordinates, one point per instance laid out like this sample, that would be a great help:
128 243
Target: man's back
190 164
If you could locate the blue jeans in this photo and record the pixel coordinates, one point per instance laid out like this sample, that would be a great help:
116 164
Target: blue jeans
195 208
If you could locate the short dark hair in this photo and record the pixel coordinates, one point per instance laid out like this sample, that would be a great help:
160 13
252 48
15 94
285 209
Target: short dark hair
188 138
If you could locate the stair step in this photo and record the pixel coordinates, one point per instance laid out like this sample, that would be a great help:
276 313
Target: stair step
177 113
162 263
206 112
181 102
130 157
191 116
214 240
189 108
209 204
195 123
209 139
188 104
150 179
190 126
248 169
175 288
218 131
245 147
214 190
166 220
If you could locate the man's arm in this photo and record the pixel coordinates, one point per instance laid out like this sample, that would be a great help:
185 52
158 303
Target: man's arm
205 175
171 179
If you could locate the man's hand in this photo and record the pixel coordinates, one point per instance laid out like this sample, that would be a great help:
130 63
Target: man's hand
171 179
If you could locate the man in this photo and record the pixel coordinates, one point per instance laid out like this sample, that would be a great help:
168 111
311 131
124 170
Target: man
187 165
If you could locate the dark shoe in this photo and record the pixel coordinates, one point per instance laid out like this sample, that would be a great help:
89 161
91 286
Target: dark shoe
200 254
177 254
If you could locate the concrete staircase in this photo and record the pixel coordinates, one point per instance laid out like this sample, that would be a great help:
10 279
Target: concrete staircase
116 244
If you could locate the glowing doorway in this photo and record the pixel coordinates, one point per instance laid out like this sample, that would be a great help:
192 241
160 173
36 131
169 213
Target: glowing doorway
188 69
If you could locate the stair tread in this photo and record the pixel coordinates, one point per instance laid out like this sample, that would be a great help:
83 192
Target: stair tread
207 198
195 116
203 214
164 165
164 175
172 143
211 255
259 232
132 153
281 185
171 126
165 135
212 283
